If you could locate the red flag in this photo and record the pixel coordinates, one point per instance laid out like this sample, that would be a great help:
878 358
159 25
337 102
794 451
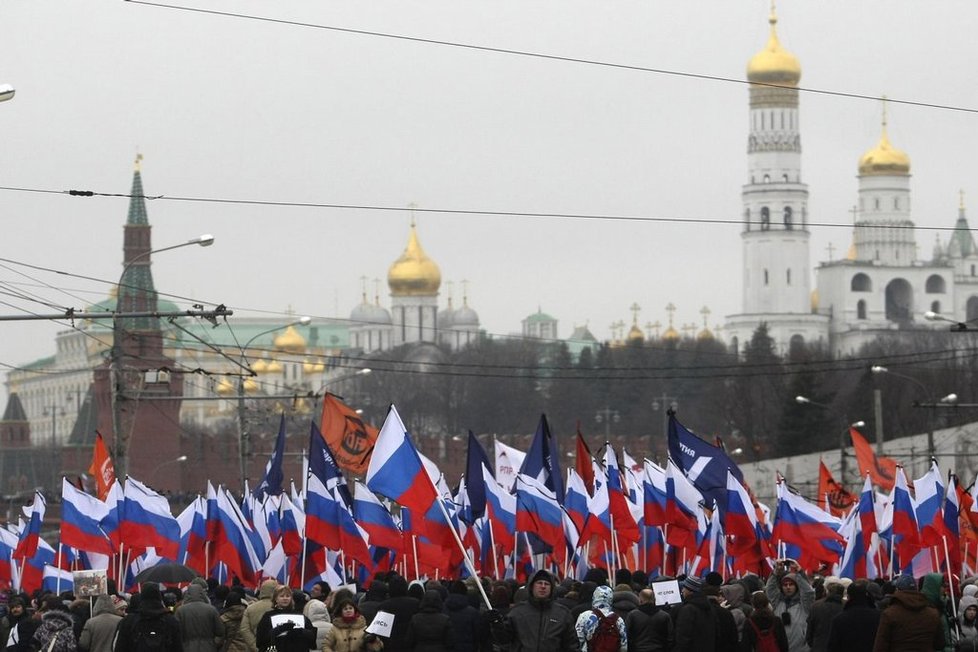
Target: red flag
102 468
349 438
881 470
835 497
584 465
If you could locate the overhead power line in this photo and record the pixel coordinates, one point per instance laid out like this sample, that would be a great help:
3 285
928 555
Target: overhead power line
468 211
550 57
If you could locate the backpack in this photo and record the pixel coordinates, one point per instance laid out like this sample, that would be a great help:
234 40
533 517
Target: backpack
150 634
605 637
765 641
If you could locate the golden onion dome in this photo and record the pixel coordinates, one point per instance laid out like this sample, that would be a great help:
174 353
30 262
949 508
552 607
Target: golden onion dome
250 385
312 367
259 366
635 334
671 334
414 274
290 341
274 367
704 335
225 387
773 64
884 159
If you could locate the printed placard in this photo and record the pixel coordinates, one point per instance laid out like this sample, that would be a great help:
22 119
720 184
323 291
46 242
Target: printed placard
667 592
382 624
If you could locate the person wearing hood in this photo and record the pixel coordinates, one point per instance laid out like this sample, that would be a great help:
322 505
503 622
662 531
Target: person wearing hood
431 628
855 628
317 613
934 589
696 625
624 600
791 596
56 631
537 625
464 617
402 607
200 623
733 599
910 623
150 614
372 599
601 609
254 611
99 630
649 628
967 621
231 615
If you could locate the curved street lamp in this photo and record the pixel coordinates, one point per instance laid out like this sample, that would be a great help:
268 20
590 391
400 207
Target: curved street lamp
244 437
950 399
178 460
119 446
804 400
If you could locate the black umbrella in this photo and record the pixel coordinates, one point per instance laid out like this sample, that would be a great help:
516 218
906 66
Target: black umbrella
167 573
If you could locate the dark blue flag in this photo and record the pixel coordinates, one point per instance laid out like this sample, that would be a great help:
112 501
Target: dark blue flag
322 464
542 461
475 486
271 483
703 463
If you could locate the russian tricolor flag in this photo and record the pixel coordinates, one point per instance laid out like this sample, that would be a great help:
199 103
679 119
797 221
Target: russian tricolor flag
30 536
576 498
813 530
233 545
375 518
537 511
81 517
147 521
906 533
501 512
395 469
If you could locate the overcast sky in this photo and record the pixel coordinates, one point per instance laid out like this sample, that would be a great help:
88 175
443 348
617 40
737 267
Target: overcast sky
229 108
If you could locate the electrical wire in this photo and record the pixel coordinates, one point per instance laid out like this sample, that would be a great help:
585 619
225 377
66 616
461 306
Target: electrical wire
549 57
482 212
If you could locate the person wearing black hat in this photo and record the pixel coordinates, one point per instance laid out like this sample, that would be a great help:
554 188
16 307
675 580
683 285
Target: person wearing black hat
911 622
150 626
16 612
855 628
231 616
539 623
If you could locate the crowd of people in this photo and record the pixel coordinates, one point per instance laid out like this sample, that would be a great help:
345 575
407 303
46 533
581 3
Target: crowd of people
789 612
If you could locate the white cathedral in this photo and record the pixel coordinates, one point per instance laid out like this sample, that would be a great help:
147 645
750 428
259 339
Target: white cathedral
881 285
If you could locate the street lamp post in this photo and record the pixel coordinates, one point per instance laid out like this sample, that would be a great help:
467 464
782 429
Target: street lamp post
804 400
119 444
607 415
54 408
878 369
244 437
666 404
178 460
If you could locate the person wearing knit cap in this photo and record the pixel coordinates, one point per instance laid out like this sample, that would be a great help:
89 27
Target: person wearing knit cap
696 625
151 615
587 623
910 622
791 596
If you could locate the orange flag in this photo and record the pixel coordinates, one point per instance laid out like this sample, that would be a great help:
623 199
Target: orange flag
832 494
102 468
348 437
881 470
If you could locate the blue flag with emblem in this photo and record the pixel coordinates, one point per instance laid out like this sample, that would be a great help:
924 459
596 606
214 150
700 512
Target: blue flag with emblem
704 464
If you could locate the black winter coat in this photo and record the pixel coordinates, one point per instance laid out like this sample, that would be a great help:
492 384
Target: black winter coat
854 629
465 622
148 610
298 639
430 631
403 608
649 629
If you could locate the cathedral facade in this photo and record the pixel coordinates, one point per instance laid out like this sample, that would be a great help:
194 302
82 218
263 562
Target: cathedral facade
881 286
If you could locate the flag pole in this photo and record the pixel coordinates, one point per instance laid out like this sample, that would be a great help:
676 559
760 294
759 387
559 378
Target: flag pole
414 547
950 579
465 554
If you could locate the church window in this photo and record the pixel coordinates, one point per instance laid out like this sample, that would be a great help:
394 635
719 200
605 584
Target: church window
971 309
772 120
747 218
784 178
877 203
788 225
765 277
935 285
767 178
788 275
861 309
763 126
861 283
896 203
765 218
735 345
972 270
782 119
935 306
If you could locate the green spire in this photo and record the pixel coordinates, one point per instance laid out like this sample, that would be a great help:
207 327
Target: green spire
137 202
